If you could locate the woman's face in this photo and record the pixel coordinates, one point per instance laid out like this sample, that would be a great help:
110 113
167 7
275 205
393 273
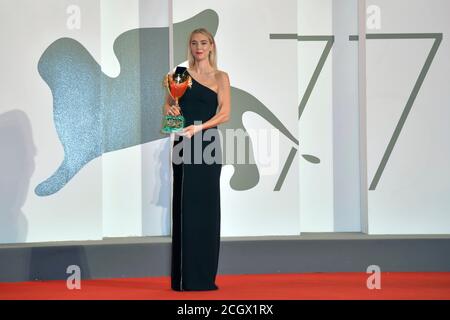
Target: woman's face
200 46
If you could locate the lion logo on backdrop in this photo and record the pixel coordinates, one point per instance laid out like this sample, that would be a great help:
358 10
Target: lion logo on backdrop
95 114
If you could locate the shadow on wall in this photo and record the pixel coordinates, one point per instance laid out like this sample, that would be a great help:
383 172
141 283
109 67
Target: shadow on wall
157 202
16 168
164 199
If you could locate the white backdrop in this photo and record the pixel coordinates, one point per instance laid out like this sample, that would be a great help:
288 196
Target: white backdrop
126 192
136 194
329 123
316 121
28 28
264 68
411 195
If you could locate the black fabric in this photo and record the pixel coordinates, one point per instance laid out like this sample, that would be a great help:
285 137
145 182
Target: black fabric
196 198
180 70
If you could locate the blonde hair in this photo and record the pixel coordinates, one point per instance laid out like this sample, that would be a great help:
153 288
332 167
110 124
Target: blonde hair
213 54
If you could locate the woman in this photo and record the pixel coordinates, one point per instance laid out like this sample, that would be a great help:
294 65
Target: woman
196 184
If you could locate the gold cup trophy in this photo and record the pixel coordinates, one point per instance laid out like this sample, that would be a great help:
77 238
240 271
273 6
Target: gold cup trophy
176 85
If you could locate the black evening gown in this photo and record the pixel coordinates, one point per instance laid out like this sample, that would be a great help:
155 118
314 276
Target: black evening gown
196 198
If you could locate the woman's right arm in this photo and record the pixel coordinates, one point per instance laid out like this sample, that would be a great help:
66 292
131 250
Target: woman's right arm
169 106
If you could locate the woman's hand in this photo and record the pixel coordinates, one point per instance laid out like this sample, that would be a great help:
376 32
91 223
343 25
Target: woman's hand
173 110
191 130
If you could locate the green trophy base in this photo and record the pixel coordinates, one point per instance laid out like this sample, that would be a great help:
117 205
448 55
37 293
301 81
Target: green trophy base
172 124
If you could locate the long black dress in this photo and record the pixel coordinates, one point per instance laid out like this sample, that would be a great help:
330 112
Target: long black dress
196 197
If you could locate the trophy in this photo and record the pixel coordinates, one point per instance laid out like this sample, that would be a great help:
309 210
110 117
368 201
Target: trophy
176 85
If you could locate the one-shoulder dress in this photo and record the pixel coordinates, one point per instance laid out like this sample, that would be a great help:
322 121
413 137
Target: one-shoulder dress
196 196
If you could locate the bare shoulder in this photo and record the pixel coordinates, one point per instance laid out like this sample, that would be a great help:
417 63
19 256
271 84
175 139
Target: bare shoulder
222 77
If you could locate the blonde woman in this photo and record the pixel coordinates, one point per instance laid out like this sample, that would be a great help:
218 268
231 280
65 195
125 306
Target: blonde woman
196 179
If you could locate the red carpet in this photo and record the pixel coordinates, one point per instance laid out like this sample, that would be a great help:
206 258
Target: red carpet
245 287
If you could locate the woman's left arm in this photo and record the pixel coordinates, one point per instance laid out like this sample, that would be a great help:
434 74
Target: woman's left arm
224 106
